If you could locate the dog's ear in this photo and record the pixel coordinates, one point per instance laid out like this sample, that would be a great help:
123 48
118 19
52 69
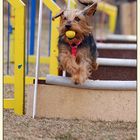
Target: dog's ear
86 2
90 10
58 15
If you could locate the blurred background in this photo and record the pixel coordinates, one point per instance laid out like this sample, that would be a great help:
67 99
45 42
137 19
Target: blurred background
123 22
126 15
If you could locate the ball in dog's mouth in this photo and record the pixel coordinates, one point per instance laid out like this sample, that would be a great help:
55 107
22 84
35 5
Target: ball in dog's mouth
70 34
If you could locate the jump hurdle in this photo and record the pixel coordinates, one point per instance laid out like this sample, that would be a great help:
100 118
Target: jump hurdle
90 84
58 97
17 102
110 100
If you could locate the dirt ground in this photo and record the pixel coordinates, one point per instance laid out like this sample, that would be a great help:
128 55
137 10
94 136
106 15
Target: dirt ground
26 128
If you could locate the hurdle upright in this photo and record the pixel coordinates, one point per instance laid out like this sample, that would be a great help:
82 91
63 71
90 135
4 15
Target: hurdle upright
17 103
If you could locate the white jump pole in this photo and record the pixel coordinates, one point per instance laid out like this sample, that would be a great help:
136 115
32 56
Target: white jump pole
37 57
117 62
68 7
122 37
92 84
113 46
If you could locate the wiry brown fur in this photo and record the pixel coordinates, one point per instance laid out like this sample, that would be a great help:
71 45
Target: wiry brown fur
80 66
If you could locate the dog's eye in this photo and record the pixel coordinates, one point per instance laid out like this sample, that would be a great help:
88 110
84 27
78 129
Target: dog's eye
77 19
64 18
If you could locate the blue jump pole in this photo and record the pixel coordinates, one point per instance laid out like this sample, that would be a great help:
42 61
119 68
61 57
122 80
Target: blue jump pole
32 26
8 45
50 28
28 35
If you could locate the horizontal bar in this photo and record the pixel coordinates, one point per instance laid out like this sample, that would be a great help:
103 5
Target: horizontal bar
8 79
117 62
43 59
28 80
32 59
112 62
9 103
92 84
112 46
122 37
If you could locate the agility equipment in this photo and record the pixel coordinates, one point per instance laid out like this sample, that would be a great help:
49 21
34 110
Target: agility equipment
84 103
59 98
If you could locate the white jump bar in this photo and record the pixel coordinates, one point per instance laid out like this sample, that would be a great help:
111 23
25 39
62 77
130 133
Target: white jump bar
117 62
92 84
113 46
122 37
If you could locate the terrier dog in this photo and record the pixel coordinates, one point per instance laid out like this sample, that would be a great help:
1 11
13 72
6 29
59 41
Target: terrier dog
77 56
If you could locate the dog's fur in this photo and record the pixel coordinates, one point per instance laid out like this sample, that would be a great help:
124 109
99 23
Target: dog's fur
80 66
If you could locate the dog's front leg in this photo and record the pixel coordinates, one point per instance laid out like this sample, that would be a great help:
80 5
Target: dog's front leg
68 63
82 74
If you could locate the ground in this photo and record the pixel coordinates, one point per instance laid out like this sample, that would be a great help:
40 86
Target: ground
26 128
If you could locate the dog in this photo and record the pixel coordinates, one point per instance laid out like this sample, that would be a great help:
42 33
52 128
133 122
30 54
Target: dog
77 56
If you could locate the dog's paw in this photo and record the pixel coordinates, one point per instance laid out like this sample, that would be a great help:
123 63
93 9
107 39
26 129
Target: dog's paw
95 66
78 79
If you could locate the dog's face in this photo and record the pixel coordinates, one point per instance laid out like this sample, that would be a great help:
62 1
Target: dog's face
76 20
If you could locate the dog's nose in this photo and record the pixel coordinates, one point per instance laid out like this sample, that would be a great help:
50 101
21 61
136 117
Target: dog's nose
68 26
